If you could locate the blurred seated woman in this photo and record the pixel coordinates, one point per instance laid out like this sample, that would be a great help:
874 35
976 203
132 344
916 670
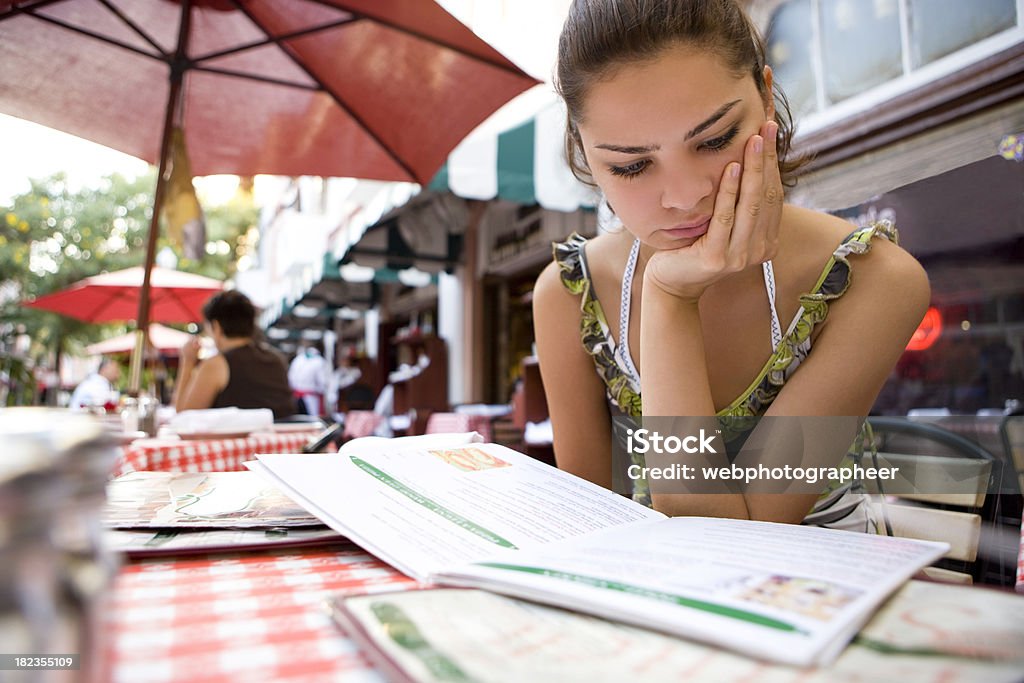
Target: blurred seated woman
245 373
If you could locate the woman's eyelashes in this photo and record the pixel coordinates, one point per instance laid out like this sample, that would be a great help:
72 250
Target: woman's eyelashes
634 169
721 142
629 170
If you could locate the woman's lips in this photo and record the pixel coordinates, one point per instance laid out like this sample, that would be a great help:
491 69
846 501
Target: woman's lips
690 232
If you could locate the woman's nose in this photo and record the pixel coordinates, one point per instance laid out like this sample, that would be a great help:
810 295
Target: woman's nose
685 187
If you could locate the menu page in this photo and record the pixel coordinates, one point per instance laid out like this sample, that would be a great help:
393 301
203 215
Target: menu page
427 510
783 592
452 634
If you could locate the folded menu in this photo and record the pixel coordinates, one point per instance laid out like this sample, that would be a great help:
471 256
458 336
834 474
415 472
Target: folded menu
177 542
928 632
188 500
222 421
488 517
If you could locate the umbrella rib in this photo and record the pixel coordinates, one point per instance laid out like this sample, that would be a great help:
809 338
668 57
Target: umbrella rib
97 36
287 50
181 304
269 40
133 26
423 36
91 316
255 77
16 10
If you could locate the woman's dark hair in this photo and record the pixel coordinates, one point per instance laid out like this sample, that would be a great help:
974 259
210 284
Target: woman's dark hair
601 35
234 312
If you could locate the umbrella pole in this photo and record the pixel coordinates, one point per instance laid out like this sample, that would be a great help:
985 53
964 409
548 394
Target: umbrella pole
177 67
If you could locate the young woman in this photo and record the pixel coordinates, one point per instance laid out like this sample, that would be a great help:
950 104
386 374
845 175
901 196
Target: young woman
243 374
715 298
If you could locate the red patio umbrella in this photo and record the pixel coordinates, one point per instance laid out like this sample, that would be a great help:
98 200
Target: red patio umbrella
380 89
174 296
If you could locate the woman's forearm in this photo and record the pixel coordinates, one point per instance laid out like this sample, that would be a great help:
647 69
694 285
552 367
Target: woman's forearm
675 383
673 368
182 383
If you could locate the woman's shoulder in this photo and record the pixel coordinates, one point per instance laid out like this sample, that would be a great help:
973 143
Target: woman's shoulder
868 254
579 260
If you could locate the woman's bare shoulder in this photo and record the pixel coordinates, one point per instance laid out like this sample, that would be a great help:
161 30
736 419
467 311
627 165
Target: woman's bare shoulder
607 254
884 267
815 230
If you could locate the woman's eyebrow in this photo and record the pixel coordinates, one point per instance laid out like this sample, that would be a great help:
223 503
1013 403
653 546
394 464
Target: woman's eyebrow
712 120
629 149
698 129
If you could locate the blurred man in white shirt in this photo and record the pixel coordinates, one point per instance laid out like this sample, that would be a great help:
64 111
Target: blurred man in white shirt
307 375
98 388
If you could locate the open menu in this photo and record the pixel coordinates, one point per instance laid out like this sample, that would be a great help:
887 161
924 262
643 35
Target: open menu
927 633
485 516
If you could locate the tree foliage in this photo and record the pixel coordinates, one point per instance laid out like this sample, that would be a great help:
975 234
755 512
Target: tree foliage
53 236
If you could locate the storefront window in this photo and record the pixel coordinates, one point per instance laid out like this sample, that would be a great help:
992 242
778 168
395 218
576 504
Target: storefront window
861 45
826 52
790 45
941 27
964 227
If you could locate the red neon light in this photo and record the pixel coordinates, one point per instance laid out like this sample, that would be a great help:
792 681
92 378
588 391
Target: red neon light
927 332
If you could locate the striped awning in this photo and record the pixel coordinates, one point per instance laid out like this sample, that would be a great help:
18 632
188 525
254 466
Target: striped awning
525 164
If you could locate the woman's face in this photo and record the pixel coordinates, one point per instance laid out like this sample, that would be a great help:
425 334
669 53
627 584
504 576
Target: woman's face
658 136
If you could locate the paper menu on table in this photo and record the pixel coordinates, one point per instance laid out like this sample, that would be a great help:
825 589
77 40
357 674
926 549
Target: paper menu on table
788 593
199 500
927 618
487 517
178 542
479 636
427 510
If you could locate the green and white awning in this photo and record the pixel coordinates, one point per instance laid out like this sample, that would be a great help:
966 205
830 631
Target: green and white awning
525 164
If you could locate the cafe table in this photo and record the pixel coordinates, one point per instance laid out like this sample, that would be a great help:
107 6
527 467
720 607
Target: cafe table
257 616
208 454
263 617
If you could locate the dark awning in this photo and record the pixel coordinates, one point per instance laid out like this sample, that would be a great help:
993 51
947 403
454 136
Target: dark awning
425 234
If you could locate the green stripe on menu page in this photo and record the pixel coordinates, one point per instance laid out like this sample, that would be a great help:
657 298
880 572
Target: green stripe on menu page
404 632
714 608
419 498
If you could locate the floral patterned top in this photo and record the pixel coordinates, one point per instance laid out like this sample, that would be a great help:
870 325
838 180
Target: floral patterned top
622 387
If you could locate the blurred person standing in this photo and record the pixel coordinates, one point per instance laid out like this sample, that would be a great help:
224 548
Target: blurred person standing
344 376
98 389
308 376
245 373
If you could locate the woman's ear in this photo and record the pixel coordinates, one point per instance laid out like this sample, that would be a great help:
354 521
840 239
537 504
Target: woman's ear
769 93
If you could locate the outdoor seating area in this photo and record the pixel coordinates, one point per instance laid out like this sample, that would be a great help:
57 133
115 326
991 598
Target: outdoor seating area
481 341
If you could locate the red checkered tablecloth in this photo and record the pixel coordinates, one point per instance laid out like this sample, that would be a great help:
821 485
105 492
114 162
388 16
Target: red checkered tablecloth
214 455
253 617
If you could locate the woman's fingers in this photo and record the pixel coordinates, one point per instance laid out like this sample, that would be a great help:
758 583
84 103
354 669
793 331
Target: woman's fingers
724 217
746 242
773 192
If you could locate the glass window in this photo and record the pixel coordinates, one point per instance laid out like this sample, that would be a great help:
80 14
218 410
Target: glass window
861 45
944 26
789 46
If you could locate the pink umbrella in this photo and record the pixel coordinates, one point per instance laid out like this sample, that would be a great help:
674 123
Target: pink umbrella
161 338
174 297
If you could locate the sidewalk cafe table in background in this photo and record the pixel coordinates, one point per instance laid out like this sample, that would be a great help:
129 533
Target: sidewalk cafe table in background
172 454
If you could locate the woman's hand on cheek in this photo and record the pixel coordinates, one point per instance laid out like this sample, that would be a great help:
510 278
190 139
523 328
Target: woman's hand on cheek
744 228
